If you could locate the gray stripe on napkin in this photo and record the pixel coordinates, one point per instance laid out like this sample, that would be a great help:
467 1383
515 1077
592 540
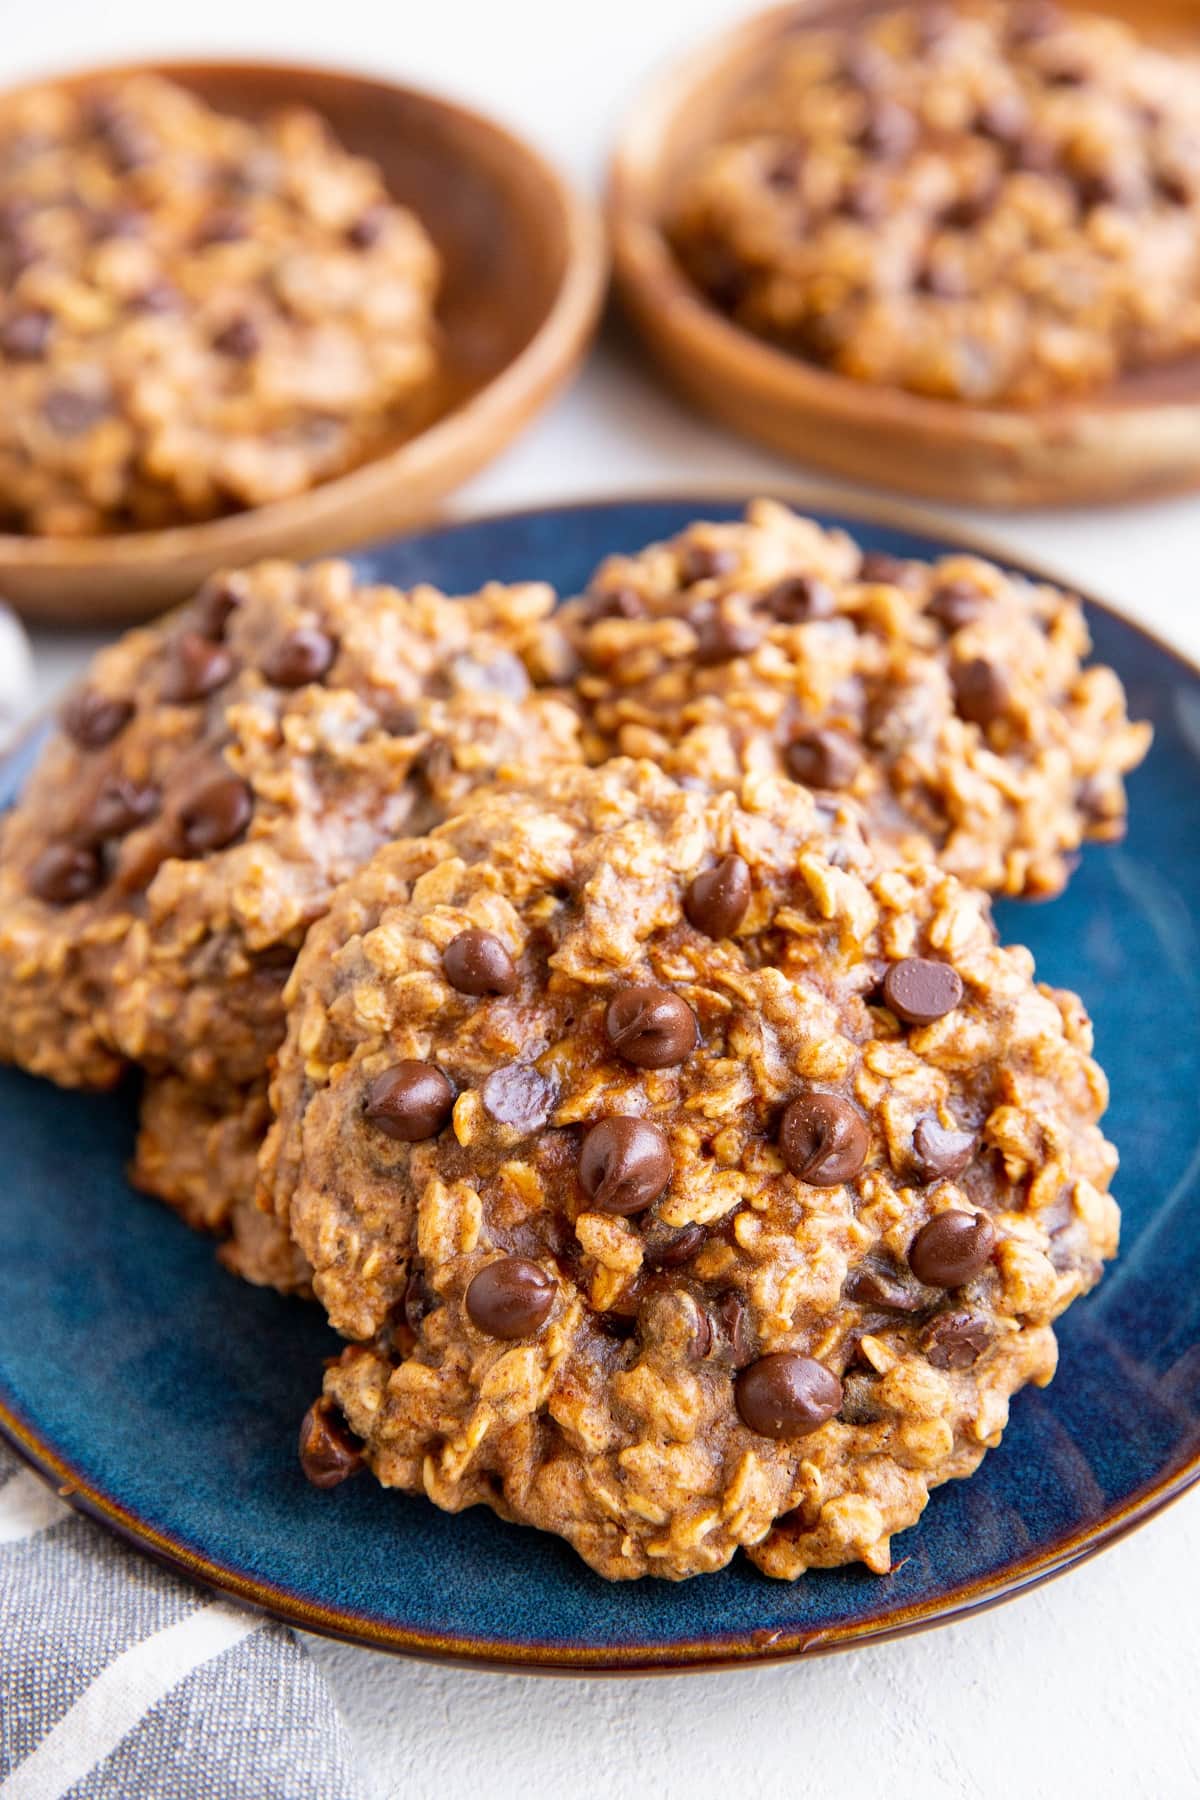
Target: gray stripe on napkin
90 1706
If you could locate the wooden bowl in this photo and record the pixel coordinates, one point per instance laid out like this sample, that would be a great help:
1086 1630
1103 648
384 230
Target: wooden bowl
524 273
1138 437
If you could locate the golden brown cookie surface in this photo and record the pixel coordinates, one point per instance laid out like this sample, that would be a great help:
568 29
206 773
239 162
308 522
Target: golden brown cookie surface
689 1183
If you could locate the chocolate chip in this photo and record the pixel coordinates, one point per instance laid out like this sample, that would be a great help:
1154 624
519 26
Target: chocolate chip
823 1139
955 1340
952 1248
120 806
410 1101
665 1247
786 1395
367 229
722 635
1003 118
197 668
476 962
880 566
955 604
215 813
519 1095
304 655
93 719
240 338
214 605
828 758
919 990
651 1027
64 873
624 1165
705 562
940 1154
329 1451
981 691
615 603
223 227
799 599
737 1328
717 898
510 1298
69 412
889 133
26 335
874 1285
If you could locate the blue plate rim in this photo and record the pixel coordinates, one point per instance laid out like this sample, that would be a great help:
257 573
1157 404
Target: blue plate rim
738 1650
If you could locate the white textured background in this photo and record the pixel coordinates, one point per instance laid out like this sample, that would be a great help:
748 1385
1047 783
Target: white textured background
1090 1686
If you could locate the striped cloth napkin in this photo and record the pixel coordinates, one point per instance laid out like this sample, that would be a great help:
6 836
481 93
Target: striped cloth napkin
118 1680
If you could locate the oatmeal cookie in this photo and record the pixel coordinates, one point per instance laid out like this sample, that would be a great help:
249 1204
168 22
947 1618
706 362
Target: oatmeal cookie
199 314
200 1156
993 203
215 777
687 1183
952 700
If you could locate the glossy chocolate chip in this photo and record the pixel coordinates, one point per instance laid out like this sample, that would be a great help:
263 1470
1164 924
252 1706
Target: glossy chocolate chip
239 339
69 412
955 604
981 691
519 1095
215 813
704 562
410 1101
952 1248
120 806
737 1328
799 599
876 1285
823 1139
64 873
919 990
368 228
940 1154
651 1027
722 635
717 898
214 605
329 1451
889 133
624 1165
955 1340
786 1395
828 758
304 655
476 962
197 668
669 1247
92 719
510 1298
26 335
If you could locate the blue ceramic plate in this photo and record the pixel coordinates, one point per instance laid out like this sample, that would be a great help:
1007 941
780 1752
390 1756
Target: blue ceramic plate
166 1395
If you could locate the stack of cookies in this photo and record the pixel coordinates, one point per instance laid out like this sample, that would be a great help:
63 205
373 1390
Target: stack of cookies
596 1009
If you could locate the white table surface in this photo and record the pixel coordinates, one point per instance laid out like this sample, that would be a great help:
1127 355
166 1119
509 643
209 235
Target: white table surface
1087 1686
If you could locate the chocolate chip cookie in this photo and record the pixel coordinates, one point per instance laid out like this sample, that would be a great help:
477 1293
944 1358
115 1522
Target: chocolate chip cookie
688 1181
953 701
213 779
199 313
989 202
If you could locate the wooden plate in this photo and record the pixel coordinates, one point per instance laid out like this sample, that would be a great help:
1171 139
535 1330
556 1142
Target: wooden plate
1138 437
524 275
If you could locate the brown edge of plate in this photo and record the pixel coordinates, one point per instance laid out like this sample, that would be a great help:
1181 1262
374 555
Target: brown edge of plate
534 1657
491 393
1136 439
